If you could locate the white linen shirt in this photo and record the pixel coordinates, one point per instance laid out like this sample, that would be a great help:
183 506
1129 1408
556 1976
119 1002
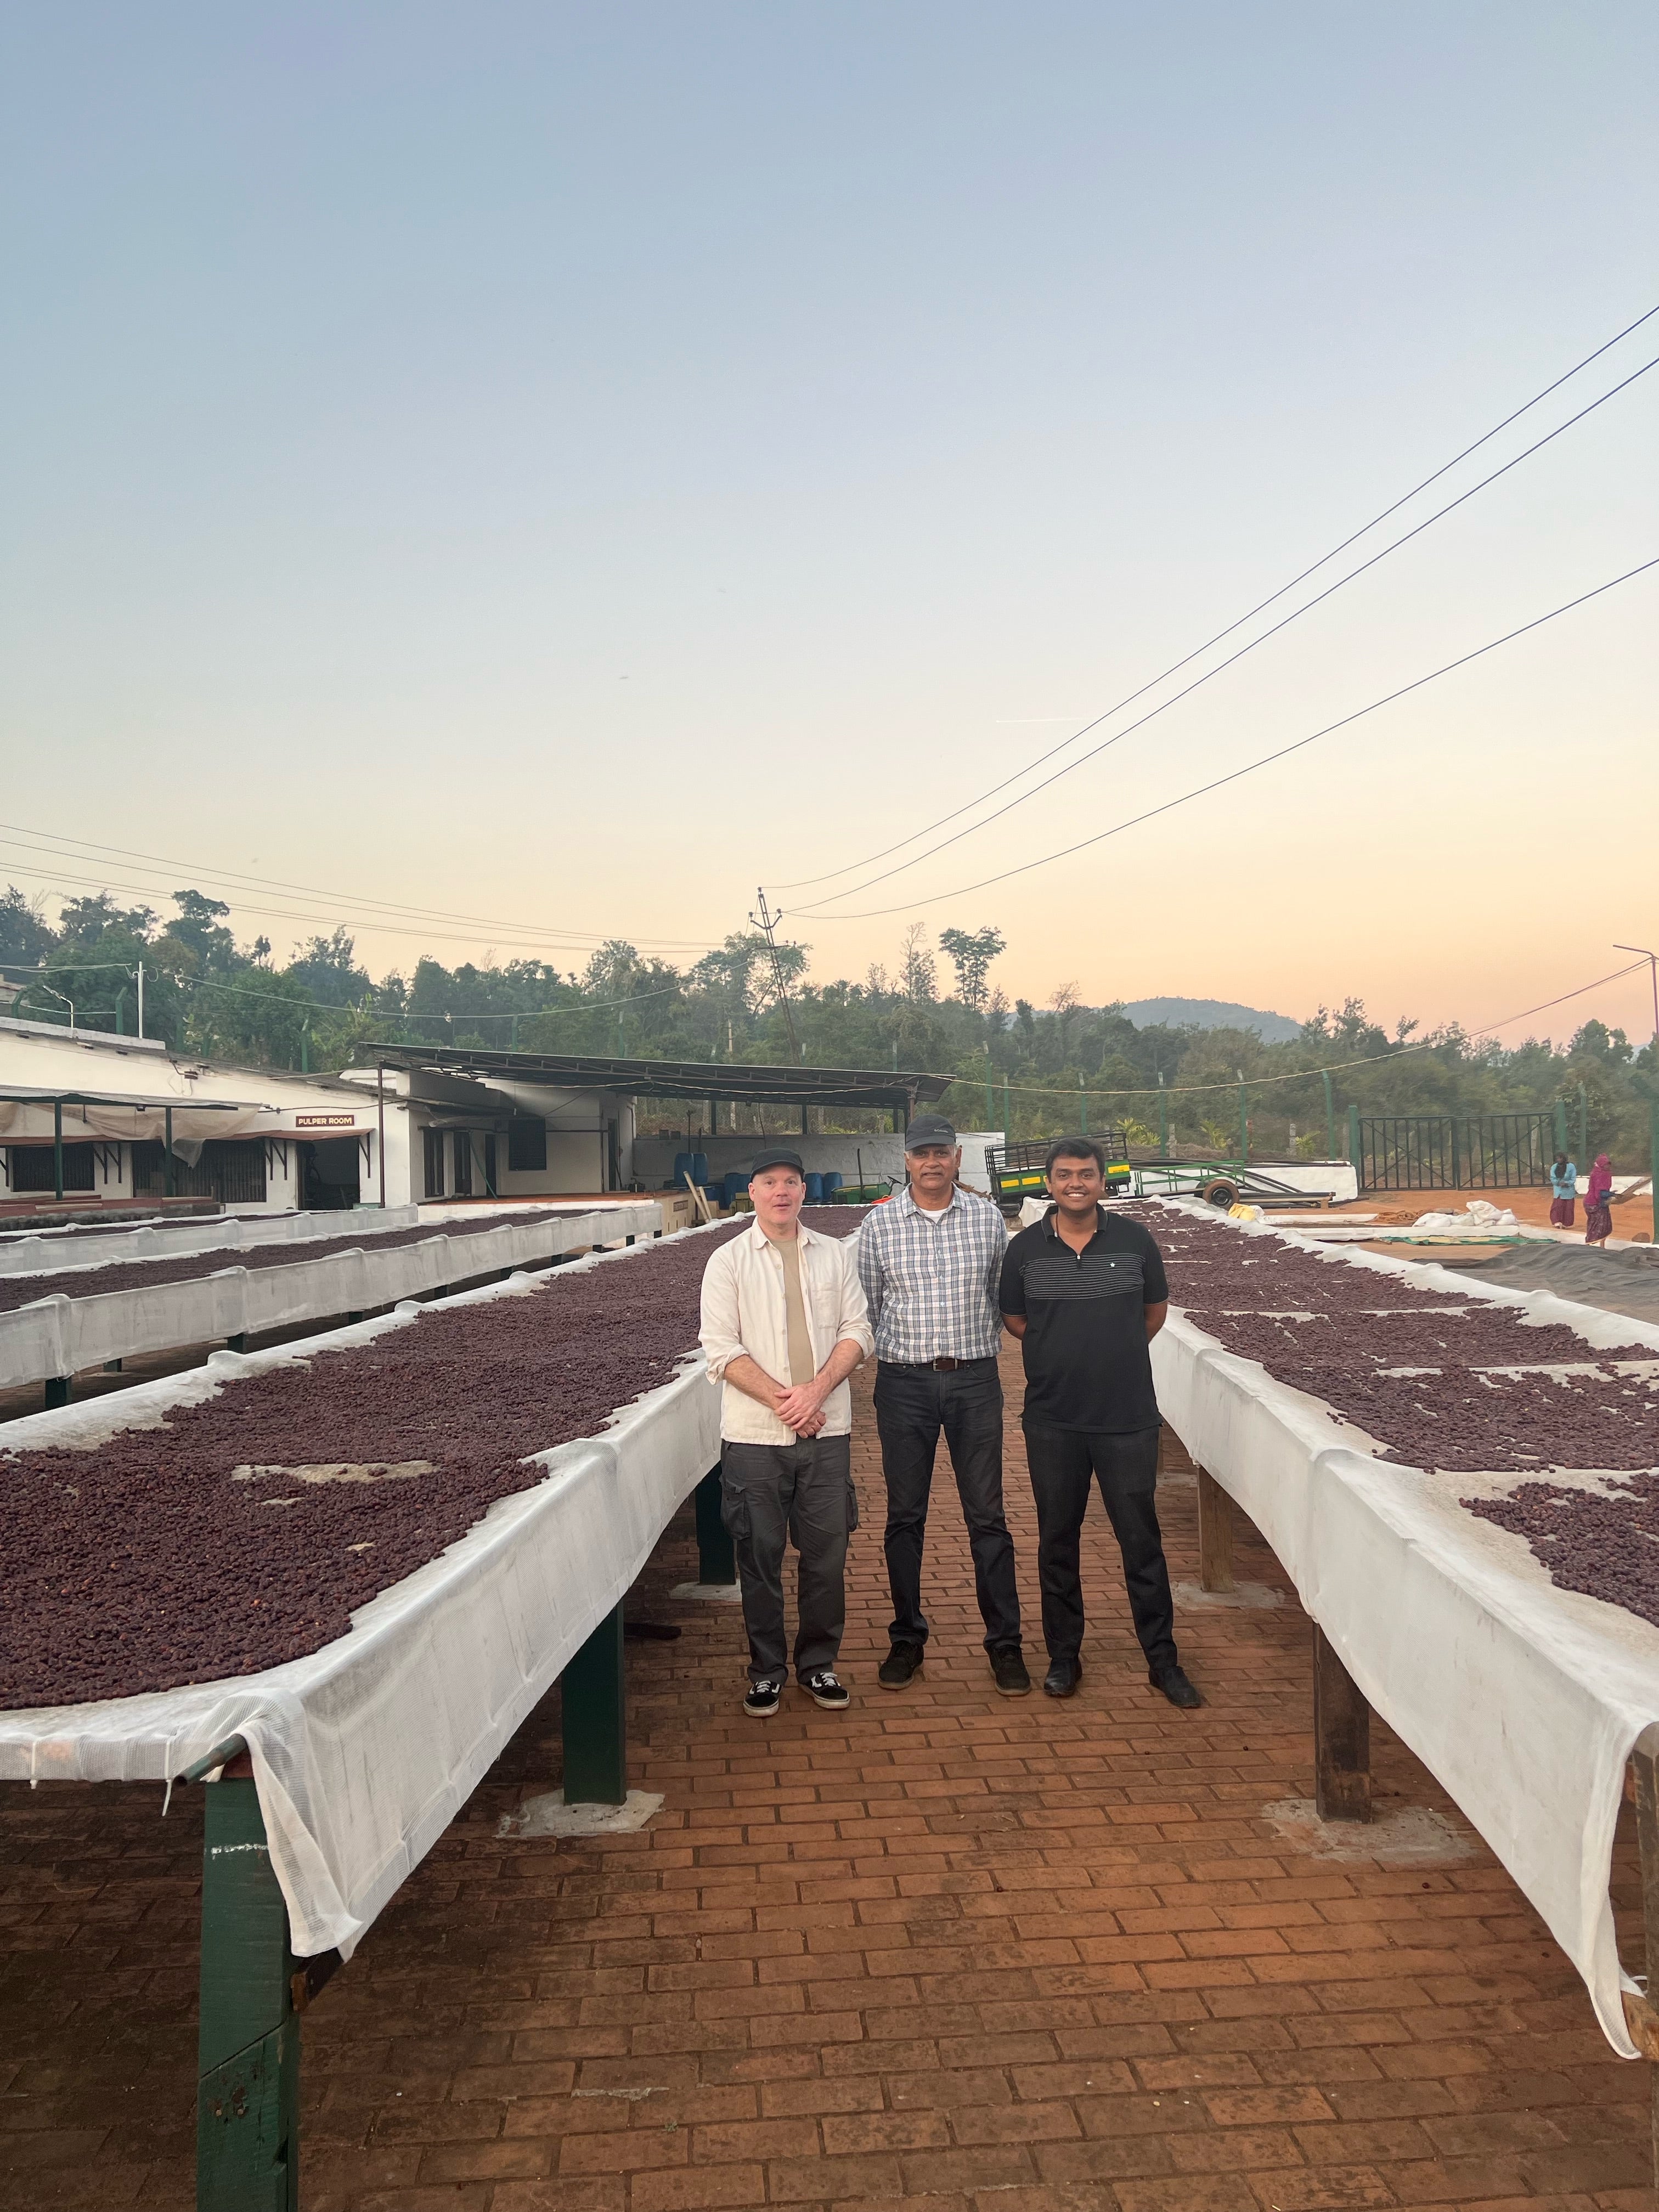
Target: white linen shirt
743 1310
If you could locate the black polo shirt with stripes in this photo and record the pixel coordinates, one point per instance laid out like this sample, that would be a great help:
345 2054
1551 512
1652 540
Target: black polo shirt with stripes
1087 1364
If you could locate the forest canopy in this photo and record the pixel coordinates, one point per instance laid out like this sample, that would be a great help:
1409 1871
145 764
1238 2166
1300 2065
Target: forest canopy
1034 1070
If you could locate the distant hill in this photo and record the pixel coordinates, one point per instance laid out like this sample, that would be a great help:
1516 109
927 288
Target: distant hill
1212 1014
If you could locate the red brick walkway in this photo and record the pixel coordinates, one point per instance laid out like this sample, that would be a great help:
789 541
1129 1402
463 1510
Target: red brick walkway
948 1950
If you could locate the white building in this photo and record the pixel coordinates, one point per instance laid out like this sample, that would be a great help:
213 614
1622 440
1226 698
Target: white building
266 1140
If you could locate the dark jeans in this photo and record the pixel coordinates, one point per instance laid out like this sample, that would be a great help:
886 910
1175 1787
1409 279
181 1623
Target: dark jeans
913 1405
1126 1466
802 1492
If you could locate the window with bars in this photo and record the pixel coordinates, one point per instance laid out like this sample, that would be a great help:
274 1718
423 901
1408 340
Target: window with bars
32 1167
526 1143
233 1170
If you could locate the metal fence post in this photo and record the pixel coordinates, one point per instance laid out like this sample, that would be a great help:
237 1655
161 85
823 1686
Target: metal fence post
1456 1183
1560 1125
1082 1107
247 2132
1354 1160
595 1718
1162 1118
1330 1116
1243 1125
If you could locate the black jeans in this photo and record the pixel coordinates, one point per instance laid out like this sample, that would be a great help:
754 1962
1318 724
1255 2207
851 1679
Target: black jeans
801 1492
1126 1466
913 1405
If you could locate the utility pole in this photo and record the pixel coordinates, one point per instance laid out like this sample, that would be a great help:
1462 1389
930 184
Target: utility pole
141 998
767 921
1652 959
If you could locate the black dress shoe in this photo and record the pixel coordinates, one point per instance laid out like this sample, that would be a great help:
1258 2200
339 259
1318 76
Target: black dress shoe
1173 1681
1008 1670
900 1667
1062 1677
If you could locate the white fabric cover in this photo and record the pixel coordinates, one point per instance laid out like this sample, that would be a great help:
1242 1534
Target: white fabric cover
63 1333
52 1251
1522 1699
364 1753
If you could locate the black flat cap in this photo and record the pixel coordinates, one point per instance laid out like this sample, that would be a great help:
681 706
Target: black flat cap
778 1158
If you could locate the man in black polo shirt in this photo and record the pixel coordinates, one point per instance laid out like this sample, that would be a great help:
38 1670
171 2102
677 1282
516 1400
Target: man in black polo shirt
1083 1291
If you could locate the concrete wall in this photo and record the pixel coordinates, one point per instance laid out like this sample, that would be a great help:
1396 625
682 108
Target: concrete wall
883 1156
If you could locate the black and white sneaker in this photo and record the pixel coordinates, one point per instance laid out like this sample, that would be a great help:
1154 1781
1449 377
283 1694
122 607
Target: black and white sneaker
826 1688
763 1697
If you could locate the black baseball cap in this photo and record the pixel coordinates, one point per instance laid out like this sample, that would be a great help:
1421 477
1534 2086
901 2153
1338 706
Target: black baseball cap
779 1158
929 1129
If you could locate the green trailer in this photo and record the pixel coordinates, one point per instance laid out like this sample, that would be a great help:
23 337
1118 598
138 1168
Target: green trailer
1016 1172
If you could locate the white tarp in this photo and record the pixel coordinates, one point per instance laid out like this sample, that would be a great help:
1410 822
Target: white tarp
365 1752
1524 1700
193 1125
53 1250
69 1330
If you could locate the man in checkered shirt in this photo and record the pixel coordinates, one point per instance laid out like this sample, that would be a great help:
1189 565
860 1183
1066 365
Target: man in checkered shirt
930 1262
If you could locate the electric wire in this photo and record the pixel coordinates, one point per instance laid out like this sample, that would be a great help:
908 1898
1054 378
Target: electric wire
854 890
1265 760
78 851
409 1014
1433 1043
801 883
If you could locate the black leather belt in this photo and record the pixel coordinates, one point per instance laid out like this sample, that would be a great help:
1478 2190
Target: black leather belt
946 1364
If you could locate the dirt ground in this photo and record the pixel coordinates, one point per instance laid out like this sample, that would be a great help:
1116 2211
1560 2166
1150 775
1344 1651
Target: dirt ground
1632 1218
946 1950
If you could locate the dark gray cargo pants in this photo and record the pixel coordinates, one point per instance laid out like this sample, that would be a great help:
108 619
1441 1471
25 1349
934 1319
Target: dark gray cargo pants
801 1492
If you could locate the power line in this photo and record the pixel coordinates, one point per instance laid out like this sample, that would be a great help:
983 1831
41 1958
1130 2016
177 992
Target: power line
1025 867
1295 1074
974 828
406 1013
76 849
802 883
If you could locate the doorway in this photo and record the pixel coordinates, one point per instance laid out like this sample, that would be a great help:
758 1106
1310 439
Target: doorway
330 1175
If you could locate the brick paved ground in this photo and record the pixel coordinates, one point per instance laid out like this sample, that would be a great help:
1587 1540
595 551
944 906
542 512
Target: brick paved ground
947 1950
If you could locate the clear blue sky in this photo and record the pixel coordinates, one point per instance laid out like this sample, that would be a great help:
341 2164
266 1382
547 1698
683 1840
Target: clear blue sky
562 466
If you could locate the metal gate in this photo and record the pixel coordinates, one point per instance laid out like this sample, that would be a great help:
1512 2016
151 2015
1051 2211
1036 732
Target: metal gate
1449 1152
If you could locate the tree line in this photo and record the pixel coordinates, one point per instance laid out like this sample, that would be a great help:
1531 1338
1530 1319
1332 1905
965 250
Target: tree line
1034 1070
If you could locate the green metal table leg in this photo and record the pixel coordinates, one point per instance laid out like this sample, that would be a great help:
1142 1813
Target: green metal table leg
247 2129
57 1391
596 1719
717 1562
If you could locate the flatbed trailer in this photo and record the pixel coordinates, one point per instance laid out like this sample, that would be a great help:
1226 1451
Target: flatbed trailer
1223 1183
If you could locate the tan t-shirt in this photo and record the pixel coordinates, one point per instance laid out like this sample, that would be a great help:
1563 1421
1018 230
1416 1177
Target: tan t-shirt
802 1365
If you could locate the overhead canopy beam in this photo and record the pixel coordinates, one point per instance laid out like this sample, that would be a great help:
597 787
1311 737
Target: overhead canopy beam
884 1089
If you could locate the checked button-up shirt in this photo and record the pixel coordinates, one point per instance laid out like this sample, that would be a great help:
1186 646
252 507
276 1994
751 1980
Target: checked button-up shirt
932 1284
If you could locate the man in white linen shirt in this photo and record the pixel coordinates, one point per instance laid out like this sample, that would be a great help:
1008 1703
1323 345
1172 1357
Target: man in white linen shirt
784 1324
